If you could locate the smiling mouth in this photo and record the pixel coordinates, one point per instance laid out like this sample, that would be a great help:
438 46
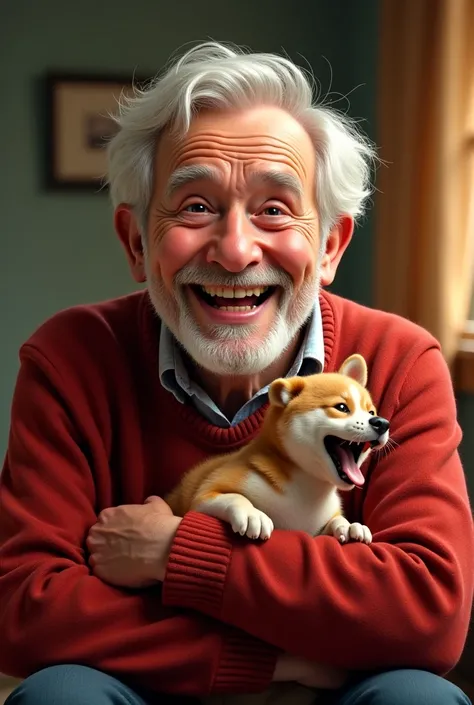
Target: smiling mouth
237 299
344 455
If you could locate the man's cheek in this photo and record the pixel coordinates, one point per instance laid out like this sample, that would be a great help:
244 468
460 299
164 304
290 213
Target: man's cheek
296 252
159 229
172 248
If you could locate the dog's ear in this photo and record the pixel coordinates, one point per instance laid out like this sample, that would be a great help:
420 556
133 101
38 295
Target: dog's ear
282 391
355 367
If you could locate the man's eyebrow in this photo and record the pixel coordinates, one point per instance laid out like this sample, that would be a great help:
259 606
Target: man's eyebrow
280 179
188 174
200 172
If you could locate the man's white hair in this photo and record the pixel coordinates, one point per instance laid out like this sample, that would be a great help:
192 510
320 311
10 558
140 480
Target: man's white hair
217 76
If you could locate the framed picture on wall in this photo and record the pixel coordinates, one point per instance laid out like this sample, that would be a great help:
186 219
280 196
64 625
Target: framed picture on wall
79 124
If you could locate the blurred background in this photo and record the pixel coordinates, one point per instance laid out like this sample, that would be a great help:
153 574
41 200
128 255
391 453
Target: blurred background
407 67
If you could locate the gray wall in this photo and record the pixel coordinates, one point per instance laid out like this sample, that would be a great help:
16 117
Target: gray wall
60 249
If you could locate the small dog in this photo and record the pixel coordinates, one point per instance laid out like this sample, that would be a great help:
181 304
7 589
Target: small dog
317 432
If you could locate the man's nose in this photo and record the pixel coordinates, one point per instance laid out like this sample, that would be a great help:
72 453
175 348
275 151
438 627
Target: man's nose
235 244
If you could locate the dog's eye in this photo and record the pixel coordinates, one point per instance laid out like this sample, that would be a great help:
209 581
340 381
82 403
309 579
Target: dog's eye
342 407
372 413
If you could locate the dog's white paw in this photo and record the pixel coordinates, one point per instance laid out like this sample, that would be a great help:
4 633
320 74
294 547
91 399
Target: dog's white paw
250 522
354 532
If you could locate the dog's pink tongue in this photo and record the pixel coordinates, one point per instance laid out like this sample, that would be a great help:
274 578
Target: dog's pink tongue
349 466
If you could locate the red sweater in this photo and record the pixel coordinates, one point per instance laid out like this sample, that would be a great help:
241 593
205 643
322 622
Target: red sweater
92 427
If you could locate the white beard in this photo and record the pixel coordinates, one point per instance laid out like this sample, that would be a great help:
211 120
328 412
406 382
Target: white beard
224 351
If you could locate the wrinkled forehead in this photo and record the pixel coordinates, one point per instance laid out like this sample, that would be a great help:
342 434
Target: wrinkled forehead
253 140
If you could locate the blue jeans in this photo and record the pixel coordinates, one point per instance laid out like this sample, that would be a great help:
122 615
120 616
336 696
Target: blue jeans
79 685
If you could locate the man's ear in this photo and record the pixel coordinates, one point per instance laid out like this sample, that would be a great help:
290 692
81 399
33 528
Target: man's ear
355 367
282 391
337 242
126 227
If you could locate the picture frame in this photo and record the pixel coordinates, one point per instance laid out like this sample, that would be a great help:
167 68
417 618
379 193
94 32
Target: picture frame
78 126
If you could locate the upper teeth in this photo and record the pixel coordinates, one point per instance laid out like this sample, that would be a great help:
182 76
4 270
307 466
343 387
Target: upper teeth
231 293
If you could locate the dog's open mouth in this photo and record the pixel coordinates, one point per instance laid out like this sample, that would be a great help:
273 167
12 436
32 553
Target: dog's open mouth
344 455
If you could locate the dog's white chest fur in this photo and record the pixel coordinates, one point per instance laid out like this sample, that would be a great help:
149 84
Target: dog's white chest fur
304 505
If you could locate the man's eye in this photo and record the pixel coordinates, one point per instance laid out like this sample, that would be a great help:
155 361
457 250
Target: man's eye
196 208
273 210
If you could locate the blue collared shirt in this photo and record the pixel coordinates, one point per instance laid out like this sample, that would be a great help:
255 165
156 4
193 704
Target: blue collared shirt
175 378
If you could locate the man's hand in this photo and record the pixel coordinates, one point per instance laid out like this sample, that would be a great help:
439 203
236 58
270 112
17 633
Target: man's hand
312 675
129 546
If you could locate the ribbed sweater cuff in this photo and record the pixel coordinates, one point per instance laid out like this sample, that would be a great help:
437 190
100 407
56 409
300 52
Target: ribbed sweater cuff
197 565
195 579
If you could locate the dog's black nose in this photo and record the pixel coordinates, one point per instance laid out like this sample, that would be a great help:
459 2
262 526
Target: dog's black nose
381 425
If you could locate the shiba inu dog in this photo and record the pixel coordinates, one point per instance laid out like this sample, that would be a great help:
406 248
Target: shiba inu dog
317 432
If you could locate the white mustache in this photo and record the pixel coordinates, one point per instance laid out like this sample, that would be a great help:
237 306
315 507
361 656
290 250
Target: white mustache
252 278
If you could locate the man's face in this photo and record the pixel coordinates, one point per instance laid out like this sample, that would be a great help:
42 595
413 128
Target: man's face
233 237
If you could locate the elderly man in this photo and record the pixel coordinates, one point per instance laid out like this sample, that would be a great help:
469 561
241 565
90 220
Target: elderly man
235 198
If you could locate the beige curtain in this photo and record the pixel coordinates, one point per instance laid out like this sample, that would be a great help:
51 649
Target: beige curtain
424 259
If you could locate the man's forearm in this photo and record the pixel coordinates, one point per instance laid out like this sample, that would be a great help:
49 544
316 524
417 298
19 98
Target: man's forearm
127 633
293 591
